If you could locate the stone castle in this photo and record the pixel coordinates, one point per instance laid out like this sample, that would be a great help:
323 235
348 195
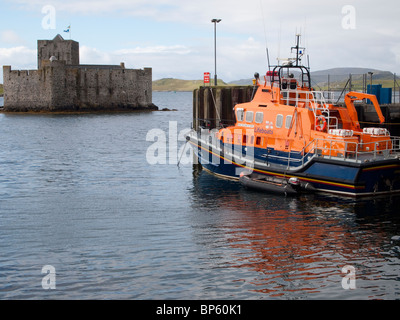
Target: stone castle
62 84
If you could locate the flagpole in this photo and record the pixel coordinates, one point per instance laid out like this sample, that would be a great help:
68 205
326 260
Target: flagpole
69 31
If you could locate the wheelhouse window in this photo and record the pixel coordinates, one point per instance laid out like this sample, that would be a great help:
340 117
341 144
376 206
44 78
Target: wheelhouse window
288 122
259 117
279 121
240 114
249 116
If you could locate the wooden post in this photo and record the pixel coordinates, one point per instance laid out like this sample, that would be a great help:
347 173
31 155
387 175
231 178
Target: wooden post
216 107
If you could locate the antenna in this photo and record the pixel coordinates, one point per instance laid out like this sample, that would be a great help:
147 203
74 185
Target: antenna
265 35
279 40
299 50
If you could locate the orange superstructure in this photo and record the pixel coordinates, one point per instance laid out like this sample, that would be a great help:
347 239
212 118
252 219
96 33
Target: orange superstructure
290 116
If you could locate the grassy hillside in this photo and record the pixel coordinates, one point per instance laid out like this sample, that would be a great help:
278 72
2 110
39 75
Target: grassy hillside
170 84
1 89
339 77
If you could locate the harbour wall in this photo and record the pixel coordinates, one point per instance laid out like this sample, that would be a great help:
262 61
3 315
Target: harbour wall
213 108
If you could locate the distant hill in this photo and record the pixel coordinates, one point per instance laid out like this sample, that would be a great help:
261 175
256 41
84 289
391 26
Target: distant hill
171 84
1 90
241 82
339 76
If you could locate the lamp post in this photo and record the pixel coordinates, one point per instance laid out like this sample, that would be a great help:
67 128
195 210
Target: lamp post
215 21
370 73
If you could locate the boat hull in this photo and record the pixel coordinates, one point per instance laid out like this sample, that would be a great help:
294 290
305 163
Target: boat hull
349 178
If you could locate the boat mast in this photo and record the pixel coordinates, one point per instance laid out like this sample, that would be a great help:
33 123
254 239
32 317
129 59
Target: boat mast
299 53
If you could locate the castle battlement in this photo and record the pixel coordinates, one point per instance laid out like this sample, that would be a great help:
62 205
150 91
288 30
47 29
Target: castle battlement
62 84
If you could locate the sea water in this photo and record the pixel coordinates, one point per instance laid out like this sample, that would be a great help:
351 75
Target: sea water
85 213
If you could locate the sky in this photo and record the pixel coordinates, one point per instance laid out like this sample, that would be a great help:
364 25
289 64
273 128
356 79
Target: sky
176 37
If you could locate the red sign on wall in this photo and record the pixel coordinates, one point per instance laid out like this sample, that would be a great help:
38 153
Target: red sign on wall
206 77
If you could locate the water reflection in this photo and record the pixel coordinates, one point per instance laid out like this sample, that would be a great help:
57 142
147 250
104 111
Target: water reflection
296 247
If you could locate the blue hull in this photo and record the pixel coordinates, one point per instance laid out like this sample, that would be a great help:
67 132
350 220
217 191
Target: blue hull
324 175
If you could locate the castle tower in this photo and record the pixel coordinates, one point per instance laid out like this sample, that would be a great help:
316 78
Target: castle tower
67 50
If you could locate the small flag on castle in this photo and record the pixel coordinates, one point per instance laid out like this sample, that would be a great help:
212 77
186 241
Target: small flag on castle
68 31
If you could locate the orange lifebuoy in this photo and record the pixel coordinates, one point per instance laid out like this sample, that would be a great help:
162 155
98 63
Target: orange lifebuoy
321 123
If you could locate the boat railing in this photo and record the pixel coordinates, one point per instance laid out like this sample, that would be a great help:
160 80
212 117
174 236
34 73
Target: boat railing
297 158
316 101
355 151
308 99
350 152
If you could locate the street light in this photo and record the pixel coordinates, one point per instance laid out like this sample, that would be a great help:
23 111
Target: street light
215 21
370 73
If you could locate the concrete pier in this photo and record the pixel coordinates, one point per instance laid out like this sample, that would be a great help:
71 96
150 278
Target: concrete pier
368 117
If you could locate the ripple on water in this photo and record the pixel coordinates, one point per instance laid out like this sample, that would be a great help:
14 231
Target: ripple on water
77 193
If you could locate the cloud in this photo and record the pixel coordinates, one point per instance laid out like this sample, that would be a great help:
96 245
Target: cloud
18 57
187 61
176 37
166 61
175 49
89 55
10 37
239 15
